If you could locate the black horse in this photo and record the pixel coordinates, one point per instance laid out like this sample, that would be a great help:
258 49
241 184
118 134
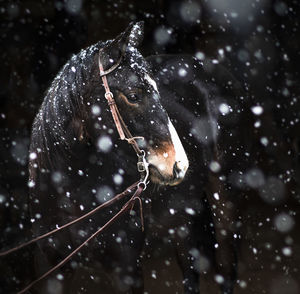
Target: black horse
77 161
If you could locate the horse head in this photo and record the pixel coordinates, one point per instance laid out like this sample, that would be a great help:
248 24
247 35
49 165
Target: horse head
138 100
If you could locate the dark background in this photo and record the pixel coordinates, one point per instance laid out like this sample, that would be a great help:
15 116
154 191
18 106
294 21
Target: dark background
258 41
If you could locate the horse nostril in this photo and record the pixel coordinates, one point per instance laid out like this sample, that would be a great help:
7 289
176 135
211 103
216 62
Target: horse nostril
178 169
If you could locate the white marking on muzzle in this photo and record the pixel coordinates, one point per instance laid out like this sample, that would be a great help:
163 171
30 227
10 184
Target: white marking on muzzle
180 155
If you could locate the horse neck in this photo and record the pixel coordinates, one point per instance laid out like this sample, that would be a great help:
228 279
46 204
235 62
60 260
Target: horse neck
57 123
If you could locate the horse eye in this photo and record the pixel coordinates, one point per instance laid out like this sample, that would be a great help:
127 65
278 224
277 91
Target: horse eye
133 97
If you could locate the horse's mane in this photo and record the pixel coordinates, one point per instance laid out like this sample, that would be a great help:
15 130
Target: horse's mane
62 107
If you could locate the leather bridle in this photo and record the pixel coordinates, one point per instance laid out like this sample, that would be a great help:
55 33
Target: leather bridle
124 133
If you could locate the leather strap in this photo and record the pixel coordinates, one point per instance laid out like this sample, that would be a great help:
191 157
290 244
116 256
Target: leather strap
123 131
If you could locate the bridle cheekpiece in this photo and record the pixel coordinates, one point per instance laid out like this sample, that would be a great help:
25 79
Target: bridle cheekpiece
124 133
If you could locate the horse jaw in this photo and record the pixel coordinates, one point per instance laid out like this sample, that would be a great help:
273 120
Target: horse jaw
169 164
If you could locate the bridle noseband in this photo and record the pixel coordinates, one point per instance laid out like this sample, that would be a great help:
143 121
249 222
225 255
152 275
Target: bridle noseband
124 133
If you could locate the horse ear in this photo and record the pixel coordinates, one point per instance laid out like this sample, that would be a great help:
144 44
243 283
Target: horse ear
111 53
136 34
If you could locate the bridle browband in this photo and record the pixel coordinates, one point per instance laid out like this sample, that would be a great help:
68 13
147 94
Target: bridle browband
124 133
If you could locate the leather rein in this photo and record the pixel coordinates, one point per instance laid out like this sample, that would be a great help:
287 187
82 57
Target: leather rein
136 189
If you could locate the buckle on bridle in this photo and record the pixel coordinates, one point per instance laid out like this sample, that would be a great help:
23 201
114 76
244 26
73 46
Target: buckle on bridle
143 169
142 163
108 95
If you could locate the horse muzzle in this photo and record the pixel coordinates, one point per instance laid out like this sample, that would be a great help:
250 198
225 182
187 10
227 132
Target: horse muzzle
167 159
163 173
